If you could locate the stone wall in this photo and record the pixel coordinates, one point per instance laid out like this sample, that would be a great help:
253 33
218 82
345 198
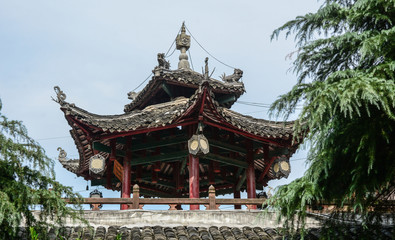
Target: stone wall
141 218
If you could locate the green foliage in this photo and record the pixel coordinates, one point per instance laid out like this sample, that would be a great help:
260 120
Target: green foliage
346 82
33 233
25 181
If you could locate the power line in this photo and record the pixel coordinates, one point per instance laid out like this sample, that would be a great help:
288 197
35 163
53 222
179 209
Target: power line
262 105
171 53
255 104
166 56
142 82
51 138
298 159
207 51
189 52
255 112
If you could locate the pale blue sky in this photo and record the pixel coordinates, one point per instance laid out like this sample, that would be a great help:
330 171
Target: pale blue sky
97 51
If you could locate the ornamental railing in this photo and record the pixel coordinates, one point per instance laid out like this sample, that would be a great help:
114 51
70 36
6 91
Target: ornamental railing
211 203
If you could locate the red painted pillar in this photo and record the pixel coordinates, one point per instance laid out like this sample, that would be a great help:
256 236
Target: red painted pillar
251 187
193 179
126 180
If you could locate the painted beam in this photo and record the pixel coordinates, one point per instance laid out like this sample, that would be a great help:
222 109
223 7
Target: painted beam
161 143
163 158
227 146
227 160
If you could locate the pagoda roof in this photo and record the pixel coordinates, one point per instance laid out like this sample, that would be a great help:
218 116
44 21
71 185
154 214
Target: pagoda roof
88 127
172 112
183 78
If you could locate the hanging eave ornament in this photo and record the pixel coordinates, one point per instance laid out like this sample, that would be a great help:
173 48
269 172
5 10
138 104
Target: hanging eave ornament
281 167
97 165
96 194
198 145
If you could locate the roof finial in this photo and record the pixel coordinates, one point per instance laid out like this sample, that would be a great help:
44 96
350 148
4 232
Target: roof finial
183 42
206 69
183 27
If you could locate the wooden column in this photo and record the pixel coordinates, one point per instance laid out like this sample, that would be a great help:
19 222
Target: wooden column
126 178
193 179
236 195
251 188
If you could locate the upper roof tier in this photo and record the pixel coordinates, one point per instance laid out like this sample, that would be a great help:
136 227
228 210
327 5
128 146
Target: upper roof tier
167 84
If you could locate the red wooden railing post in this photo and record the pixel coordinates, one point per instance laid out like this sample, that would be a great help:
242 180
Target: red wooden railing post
211 197
136 197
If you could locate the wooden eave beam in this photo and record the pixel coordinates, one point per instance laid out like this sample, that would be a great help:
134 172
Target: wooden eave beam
163 158
227 146
142 160
227 160
142 146
162 143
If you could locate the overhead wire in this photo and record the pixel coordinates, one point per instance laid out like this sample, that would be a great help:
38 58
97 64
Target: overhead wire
166 56
172 45
208 51
189 53
261 105
171 53
142 83
298 159
51 138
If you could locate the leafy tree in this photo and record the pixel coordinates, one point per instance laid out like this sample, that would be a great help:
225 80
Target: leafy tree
27 181
345 65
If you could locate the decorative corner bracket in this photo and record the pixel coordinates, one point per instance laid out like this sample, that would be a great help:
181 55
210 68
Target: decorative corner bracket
60 95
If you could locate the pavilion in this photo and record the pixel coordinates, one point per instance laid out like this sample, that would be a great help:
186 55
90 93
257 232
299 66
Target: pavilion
178 136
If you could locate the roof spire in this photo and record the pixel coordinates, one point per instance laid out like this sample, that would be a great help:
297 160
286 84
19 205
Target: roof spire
183 42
